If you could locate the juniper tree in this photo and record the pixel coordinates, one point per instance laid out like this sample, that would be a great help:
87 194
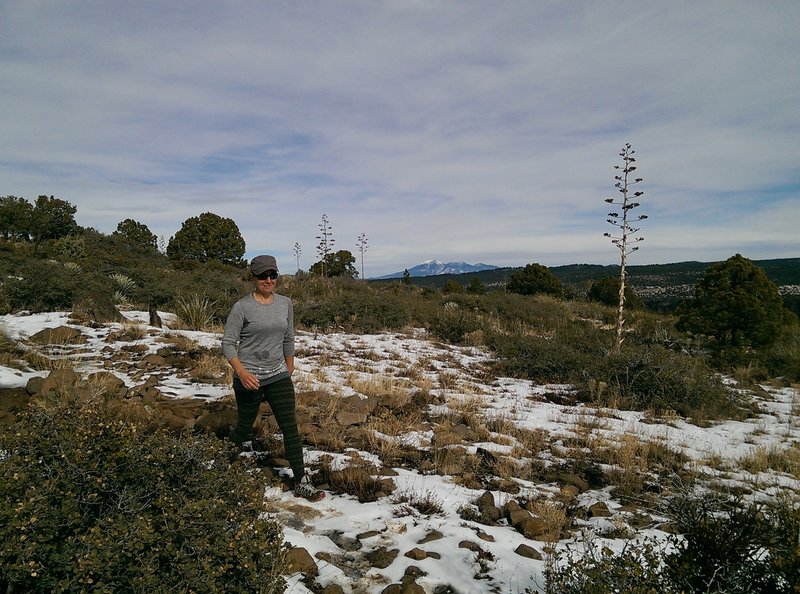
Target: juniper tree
326 241
362 247
625 238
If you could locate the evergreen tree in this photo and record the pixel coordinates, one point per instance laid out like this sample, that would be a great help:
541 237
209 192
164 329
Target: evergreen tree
736 305
136 234
452 286
52 218
16 215
336 264
475 286
208 237
606 291
533 279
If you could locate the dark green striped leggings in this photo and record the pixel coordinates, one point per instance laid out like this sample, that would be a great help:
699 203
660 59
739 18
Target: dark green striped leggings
280 397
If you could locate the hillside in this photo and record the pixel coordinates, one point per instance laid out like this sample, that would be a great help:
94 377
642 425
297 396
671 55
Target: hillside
442 476
661 286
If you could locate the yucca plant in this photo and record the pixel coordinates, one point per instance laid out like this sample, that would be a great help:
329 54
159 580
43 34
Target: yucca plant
196 311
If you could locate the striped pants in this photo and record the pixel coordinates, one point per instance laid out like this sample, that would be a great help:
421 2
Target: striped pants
280 397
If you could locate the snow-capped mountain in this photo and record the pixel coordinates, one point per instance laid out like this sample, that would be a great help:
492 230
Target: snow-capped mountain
433 267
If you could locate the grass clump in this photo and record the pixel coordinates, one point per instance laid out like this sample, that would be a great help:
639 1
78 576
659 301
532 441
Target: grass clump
91 498
196 312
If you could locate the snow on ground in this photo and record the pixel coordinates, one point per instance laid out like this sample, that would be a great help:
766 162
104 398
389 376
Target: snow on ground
330 362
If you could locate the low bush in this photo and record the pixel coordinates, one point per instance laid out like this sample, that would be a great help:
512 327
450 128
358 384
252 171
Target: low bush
91 500
733 546
655 378
599 570
723 546
563 356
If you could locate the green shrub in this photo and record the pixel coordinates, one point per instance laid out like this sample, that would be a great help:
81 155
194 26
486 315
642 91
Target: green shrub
346 304
93 501
651 377
598 570
724 547
563 356
734 547
452 322
48 287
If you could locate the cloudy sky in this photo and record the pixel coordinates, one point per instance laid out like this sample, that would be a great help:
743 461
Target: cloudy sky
453 130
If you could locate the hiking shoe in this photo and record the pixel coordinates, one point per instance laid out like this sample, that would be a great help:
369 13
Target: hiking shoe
306 490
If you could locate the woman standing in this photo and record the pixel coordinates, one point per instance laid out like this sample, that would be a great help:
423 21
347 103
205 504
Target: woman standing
258 342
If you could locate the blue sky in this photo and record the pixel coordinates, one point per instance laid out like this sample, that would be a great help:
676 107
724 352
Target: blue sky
470 130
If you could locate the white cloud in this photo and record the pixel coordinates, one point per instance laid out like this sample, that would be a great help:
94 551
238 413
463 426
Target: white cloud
446 130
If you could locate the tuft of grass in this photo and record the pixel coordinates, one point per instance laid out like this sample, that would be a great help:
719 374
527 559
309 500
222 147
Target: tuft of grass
196 312
182 343
211 368
774 458
427 503
356 479
129 331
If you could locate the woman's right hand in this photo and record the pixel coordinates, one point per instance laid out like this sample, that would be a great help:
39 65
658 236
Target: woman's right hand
248 380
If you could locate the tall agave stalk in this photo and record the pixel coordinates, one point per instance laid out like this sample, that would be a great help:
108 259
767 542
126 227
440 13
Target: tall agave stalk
625 238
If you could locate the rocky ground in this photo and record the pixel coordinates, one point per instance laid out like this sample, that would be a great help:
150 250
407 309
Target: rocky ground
440 476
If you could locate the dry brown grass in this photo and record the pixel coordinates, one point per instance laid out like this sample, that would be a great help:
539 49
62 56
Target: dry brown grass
129 331
40 360
466 405
630 464
773 458
389 391
531 441
555 520
181 342
448 380
427 503
356 479
211 368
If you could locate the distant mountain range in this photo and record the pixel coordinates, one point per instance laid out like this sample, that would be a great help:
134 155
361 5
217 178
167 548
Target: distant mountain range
434 267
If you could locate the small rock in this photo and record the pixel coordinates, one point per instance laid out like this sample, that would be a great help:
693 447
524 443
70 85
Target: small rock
518 516
470 546
59 380
412 572
409 587
574 480
59 335
486 537
486 499
599 510
298 559
367 534
431 536
524 550
417 554
381 558
532 528
345 418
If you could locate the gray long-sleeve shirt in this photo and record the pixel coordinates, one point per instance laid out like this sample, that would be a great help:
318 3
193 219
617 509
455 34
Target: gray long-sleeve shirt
261 335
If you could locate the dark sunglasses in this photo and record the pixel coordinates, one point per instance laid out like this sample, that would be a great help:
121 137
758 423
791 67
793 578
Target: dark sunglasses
271 274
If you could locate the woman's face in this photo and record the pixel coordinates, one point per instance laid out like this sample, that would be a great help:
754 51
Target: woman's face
265 282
